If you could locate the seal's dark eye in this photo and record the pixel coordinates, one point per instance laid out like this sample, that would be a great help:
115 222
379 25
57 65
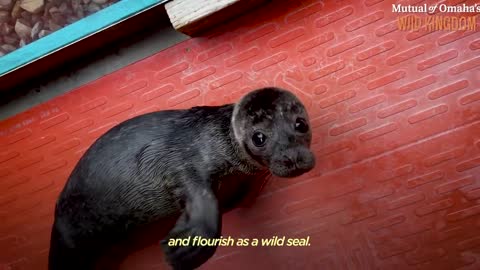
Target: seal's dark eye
301 125
259 139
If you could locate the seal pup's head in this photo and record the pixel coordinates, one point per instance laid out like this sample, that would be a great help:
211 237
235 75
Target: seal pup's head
272 126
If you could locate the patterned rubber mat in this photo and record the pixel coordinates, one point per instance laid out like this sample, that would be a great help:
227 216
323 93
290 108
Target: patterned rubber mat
396 117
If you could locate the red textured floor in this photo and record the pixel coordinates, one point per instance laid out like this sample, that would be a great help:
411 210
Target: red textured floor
397 138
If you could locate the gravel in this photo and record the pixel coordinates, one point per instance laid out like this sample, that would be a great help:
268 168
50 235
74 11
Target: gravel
24 21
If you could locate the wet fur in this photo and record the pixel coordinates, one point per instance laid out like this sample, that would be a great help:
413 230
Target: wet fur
175 170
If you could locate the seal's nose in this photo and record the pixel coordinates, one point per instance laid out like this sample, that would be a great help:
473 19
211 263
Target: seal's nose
299 159
293 162
289 161
305 160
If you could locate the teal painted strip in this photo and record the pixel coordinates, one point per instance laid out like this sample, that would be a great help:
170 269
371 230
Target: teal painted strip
73 32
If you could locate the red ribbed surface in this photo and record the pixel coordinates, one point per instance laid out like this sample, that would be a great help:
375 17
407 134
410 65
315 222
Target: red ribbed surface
396 117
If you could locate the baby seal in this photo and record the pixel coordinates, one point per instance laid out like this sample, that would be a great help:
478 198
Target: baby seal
191 165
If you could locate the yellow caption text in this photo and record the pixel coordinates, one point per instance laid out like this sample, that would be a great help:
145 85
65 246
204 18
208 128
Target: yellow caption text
275 241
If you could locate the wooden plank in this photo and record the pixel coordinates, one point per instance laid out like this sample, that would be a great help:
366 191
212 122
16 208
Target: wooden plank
193 17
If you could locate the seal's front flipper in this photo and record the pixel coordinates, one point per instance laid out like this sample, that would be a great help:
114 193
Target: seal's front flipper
201 218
